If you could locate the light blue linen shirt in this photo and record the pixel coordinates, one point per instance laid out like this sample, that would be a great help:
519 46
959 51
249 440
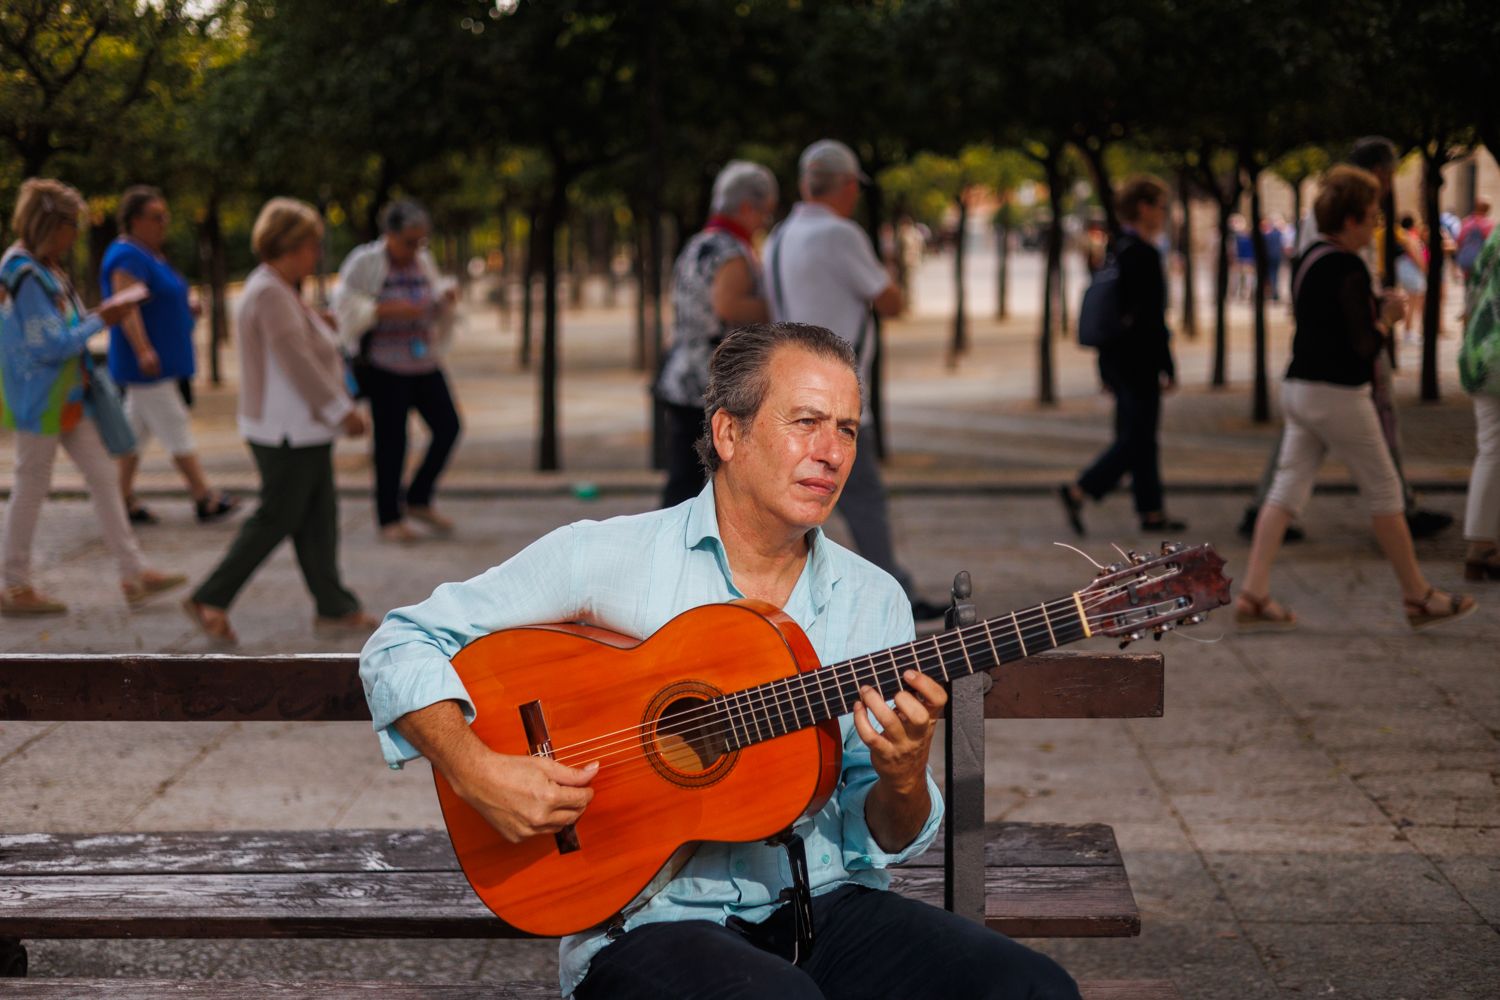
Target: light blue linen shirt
634 574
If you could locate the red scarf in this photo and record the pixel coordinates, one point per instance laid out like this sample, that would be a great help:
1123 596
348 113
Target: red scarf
724 223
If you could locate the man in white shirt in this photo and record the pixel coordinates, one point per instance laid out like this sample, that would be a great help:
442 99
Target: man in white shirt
821 269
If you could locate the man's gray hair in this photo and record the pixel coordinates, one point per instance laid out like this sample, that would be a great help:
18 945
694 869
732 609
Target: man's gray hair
739 374
741 181
399 216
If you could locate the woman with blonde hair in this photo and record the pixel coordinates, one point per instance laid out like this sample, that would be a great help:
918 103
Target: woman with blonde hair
45 379
293 405
1340 328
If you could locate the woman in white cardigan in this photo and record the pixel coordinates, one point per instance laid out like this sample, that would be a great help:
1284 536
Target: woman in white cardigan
292 406
395 315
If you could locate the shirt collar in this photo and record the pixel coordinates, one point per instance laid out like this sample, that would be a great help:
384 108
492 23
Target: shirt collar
818 576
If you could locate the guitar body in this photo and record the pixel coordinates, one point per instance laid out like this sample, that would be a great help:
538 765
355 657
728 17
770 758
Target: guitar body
664 783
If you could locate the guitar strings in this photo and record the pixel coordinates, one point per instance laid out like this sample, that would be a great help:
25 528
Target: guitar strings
945 643
779 700
632 748
719 716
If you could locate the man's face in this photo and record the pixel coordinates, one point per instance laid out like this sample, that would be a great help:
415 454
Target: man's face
793 458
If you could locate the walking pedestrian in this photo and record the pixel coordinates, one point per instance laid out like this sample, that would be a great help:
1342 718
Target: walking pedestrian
1340 329
395 314
1479 371
45 378
1411 269
1376 154
292 405
1472 234
1137 366
716 286
151 349
821 269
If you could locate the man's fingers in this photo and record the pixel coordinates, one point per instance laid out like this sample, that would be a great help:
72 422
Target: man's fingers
866 731
915 712
878 708
926 688
562 774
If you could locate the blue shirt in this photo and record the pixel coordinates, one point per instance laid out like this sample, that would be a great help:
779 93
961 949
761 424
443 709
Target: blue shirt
166 314
633 575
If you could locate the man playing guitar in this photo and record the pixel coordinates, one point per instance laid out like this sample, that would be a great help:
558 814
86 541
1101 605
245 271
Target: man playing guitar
783 404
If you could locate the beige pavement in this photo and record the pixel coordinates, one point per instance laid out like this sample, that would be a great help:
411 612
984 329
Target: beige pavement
1318 813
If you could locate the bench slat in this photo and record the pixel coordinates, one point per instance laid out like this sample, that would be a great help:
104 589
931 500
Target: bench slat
1023 902
168 687
281 851
230 989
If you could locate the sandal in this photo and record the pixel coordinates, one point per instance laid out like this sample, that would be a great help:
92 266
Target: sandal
139 514
1452 608
149 584
1262 614
217 506
399 533
1486 567
439 524
213 622
354 623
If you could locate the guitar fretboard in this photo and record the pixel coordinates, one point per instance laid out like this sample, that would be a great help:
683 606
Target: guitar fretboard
774 709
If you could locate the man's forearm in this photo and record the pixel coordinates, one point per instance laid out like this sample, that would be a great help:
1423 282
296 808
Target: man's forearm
440 733
895 815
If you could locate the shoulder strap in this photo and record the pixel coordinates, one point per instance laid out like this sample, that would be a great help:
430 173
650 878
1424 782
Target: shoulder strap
1315 254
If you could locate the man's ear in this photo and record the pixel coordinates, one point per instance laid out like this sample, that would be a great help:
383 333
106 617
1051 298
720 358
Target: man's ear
726 434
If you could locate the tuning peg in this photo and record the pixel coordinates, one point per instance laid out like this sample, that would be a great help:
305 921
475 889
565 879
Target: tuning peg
1192 620
1171 548
1138 557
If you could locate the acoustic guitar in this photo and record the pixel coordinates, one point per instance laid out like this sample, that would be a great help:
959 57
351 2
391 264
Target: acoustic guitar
723 726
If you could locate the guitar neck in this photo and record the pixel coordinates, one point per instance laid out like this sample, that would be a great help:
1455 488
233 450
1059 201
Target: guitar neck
766 711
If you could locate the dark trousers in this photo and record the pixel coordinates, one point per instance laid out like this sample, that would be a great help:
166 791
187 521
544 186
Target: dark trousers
392 397
870 945
297 499
1134 450
685 476
865 509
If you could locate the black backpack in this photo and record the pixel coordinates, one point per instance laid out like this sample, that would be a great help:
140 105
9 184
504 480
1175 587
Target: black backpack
1101 321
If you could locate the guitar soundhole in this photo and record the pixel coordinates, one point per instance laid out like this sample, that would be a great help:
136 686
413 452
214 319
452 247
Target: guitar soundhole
685 738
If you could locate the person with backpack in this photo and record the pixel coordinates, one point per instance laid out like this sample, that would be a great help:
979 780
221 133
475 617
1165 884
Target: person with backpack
1472 235
1341 328
1479 373
1124 317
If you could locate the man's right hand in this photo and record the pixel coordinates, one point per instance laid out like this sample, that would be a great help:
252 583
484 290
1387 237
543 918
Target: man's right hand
524 796
353 423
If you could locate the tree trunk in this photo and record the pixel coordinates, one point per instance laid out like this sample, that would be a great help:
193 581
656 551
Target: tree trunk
1434 155
528 279
1046 392
1261 405
578 268
1185 243
216 270
1002 257
557 206
1221 298
1103 186
960 343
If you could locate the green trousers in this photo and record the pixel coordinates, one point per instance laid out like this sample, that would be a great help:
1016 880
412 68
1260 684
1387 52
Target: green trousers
297 499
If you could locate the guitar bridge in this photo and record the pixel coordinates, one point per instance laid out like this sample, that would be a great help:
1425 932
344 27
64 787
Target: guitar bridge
540 742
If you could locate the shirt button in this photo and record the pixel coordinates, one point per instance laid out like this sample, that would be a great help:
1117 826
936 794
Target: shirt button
825 859
739 866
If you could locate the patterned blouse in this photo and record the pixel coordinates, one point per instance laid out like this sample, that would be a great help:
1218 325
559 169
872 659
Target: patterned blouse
404 346
696 328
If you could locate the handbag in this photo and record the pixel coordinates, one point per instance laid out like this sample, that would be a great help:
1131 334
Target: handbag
104 402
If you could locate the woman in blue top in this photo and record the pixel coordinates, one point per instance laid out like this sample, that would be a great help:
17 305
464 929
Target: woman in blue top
152 348
44 376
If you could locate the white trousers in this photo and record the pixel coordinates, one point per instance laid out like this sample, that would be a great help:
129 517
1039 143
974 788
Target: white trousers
1482 513
1324 419
35 455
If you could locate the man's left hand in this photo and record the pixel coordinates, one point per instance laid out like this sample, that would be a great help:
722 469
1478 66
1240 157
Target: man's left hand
899 751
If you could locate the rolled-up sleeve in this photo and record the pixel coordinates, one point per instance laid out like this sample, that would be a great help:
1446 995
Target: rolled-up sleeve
407 664
859 846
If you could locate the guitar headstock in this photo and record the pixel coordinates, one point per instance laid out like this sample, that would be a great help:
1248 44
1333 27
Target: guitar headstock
1155 593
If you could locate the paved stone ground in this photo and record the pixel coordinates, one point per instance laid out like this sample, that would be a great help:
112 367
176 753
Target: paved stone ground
1317 814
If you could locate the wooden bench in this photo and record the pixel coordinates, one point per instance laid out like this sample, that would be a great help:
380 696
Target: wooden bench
1039 880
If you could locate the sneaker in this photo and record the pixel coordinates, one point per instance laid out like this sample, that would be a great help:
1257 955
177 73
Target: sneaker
1426 523
216 507
354 623
20 602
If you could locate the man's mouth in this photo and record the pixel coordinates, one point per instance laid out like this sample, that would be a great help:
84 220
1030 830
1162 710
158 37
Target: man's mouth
824 487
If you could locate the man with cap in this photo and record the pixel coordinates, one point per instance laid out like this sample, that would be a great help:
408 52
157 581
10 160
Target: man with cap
821 269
